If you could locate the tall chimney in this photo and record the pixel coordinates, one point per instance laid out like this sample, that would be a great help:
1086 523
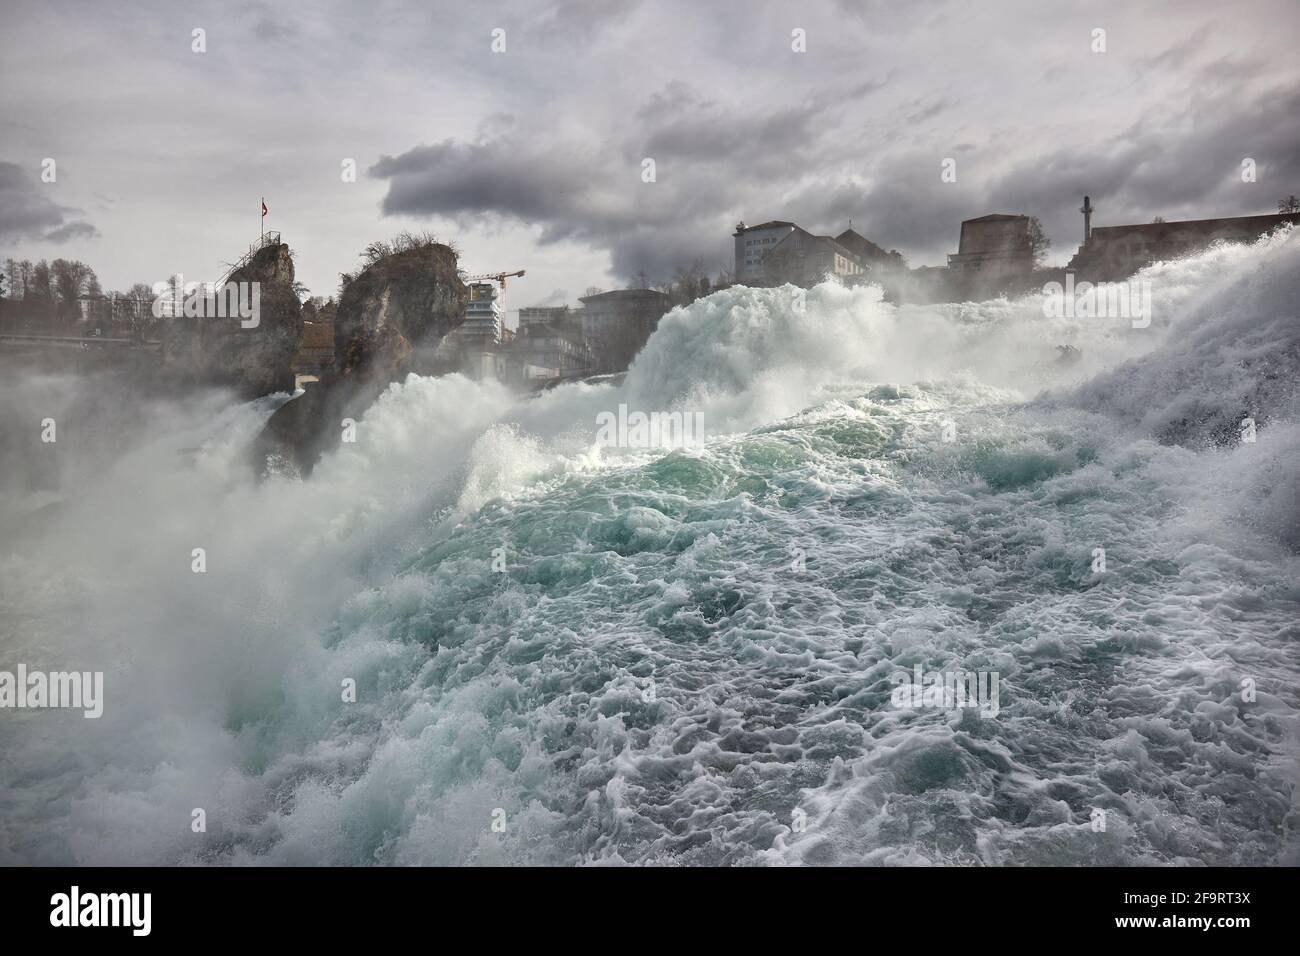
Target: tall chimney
1087 209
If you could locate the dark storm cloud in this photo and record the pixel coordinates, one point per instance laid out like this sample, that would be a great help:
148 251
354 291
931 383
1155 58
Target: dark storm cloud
77 229
772 142
903 205
571 194
599 200
1161 165
26 213
659 253
840 139
541 145
1158 167
538 149
505 176
712 164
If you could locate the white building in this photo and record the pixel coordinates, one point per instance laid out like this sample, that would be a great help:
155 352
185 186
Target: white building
755 242
777 252
805 260
482 323
556 315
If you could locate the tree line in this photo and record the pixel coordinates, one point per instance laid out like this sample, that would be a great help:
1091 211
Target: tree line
64 297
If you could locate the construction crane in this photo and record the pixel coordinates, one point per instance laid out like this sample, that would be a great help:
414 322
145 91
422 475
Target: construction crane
500 278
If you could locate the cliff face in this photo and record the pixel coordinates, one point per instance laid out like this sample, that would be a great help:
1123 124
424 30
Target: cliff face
401 301
404 300
220 351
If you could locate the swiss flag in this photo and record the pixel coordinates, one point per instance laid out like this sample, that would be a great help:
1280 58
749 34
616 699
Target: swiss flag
263 208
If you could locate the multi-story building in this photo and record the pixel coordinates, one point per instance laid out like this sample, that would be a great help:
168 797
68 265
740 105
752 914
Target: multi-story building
993 250
872 257
805 260
753 243
616 325
556 315
544 352
474 347
482 325
777 252
1111 253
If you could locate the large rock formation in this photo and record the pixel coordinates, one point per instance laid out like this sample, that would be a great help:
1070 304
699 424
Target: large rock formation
407 297
253 361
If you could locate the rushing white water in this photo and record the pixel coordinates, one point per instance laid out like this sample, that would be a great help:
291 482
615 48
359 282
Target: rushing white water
689 654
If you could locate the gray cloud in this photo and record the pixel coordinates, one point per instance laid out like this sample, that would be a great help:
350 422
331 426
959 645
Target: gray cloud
577 192
532 157
557 297
717 164
1182 52
503 176
27 213
77 229
582 19
1160 167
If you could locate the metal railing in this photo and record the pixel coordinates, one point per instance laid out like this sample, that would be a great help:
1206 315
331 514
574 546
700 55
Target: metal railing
268 239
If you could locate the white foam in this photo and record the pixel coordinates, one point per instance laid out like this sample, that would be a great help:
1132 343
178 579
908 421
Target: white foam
767 584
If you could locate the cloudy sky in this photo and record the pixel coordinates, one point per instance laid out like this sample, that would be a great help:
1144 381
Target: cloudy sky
532 158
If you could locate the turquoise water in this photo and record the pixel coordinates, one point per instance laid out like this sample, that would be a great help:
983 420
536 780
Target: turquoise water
567 654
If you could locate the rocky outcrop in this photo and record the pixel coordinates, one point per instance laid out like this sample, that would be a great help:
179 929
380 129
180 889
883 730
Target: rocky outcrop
220 350
302 430
407 297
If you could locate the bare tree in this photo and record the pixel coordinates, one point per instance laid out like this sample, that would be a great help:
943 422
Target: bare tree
72 280
1289 204
41 293
25 272
687 282
16 279
138 306
1038 241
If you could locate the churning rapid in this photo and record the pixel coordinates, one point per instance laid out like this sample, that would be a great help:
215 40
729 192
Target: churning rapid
572 654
